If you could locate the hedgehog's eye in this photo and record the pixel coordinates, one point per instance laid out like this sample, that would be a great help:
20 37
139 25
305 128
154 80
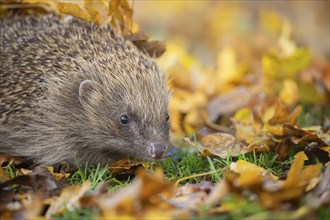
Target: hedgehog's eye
124 119
167 117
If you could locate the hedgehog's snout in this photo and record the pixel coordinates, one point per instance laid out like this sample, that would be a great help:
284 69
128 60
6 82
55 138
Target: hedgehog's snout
157 150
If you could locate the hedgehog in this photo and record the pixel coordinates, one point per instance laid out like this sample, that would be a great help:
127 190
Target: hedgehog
71 91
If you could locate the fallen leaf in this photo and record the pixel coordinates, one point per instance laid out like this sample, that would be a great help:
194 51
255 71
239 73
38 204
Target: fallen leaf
137 199
190 196
4 176
290 92
294 171
68 199
296 139
249 173
218 193
276 67
121 16
8 159
39 180
142 41
222 145
122 166
316 154
228 103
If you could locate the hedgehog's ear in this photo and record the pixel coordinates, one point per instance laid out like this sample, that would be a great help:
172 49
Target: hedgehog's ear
85 90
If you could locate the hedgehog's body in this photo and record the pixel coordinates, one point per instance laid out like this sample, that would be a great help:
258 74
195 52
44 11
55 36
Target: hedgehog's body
69 91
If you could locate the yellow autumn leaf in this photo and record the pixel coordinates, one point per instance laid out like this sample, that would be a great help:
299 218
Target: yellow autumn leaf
287 45
268 114
295 62
244 115
242 166
271 65
276 67
289 93
227 65
50 5
294 172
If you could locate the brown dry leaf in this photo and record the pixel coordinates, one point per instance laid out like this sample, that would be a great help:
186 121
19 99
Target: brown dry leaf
9 159
317 154
142 41
23 196
4 176
58 176
298 139
222 145
39 180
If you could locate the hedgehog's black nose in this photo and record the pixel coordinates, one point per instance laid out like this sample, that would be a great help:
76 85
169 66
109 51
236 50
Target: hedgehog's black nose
157 151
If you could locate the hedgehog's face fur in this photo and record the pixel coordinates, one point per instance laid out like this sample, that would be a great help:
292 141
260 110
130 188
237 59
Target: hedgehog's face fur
123 112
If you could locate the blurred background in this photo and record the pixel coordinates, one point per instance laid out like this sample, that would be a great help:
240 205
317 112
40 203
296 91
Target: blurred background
225 55
204 27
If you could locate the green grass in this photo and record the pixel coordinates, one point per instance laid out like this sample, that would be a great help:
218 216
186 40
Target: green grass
96 175
191 164
10 169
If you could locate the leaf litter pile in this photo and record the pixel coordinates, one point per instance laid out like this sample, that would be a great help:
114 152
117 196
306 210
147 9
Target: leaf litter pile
251 102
